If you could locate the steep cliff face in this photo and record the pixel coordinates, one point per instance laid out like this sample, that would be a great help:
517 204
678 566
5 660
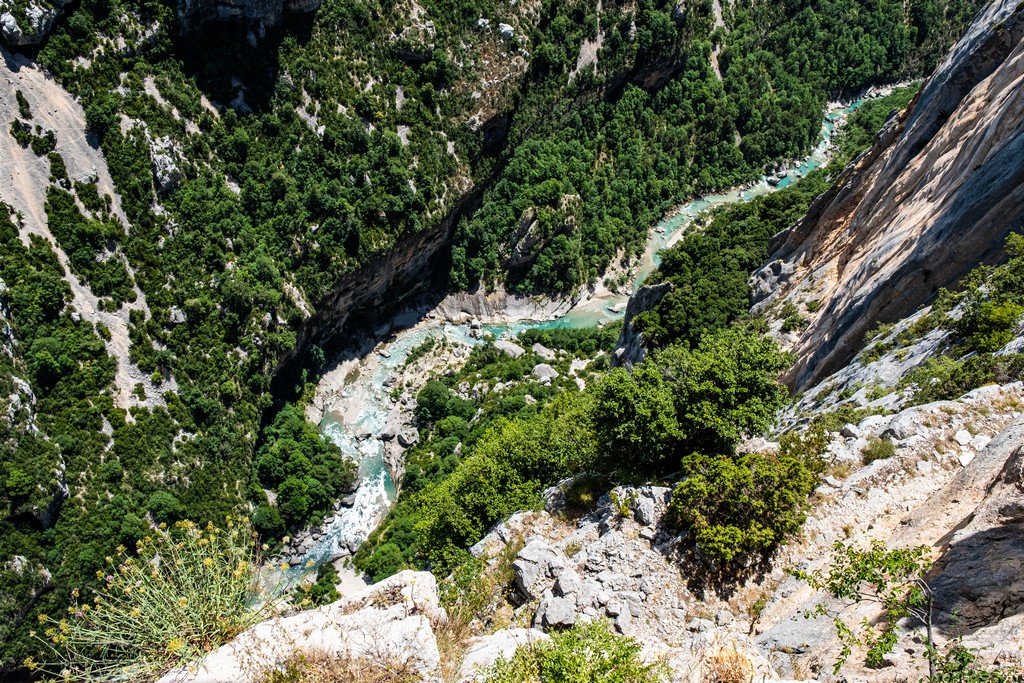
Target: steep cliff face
264 13
935 195
381 287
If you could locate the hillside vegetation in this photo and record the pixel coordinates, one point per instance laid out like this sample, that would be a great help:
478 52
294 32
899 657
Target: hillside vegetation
283 167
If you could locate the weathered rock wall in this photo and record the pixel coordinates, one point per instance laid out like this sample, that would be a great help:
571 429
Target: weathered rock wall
414 267
630 349
264 13
935 195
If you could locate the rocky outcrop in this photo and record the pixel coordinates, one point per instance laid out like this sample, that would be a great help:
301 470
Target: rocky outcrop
615 564
29 24
935 195
484 651
978 580
630 350
165 156
499 305
387 622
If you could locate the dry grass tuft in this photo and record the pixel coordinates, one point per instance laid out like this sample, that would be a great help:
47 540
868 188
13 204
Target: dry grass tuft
317 666
728 666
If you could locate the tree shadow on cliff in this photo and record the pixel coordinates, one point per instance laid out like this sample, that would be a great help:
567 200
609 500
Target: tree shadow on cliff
237 64
979 580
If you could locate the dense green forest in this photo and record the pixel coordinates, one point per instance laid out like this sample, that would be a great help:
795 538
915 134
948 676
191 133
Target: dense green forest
304 157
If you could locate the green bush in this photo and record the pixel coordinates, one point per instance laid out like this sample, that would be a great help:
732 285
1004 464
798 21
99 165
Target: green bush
725 388
435 402
941 378
636 420
681 400
307 471
24 110
877 448
506 472
590 653
991 325
743 505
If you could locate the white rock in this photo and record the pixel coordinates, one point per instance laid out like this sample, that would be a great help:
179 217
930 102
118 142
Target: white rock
979 442
373 623
850 431
408 437
544 372
484 651
963 437
509 349
555 612
543 351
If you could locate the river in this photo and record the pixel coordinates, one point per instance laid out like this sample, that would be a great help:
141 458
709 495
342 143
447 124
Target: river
359 415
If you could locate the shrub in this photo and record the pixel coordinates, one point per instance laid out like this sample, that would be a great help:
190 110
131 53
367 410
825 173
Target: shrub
990 326
186 592
791 318
435 402
877 448
958 665
725 388
588 653
636 419
24 110
744 505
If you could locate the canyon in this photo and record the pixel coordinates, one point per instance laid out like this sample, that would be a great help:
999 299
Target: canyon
935 195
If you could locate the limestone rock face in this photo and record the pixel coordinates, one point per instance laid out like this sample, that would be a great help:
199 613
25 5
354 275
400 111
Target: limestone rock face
978 577
166 173
630 348
935 195
35 25
389 621
486 650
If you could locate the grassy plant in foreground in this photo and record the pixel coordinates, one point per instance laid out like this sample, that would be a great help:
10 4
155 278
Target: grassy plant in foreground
187 591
